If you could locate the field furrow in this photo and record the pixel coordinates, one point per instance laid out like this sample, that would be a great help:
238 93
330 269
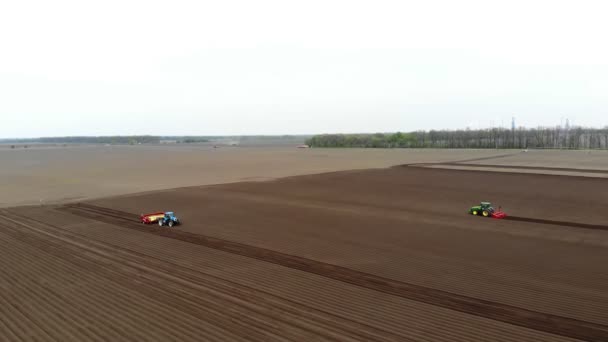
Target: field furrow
367 255
513 315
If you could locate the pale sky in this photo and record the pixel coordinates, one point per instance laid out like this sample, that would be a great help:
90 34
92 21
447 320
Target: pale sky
298 67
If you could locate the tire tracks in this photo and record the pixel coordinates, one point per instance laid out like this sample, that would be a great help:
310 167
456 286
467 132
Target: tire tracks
557 223
508 287
234 295
457 162
554 324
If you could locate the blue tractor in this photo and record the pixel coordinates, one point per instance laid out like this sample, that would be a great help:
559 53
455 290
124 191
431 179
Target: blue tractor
168 220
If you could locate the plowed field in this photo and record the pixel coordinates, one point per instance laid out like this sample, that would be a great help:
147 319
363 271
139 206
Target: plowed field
370 255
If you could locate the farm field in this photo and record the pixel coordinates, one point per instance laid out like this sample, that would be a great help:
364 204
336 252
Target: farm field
55 175
584 160
361 255
50 175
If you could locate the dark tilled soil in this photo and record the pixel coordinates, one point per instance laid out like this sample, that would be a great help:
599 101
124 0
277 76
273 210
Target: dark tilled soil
373 255
513 315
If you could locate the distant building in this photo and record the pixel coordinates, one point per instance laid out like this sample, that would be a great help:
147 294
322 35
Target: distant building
303 146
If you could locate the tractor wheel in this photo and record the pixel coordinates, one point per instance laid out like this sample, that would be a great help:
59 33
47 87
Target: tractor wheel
485 213
160 223
170 224
474 212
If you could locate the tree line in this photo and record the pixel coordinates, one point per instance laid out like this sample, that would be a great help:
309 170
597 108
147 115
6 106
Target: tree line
520 138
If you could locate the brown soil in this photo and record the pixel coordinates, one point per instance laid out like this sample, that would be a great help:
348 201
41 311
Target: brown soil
530 167
59 175
371 255
526 318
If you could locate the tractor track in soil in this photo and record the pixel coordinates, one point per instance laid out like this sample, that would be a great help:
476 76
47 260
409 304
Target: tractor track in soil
557 223
570 224
153 271
539 321
499 156
376 312
355 309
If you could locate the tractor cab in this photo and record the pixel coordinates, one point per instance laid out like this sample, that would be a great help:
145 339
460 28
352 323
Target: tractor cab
169 220
486 206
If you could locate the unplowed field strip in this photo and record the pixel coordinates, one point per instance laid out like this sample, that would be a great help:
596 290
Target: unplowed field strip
521 167
513 315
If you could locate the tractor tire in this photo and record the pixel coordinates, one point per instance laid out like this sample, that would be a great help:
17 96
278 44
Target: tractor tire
486 213
160 223
170 224
475 212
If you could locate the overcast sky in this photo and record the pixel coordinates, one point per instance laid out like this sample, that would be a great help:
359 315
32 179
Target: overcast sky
294 67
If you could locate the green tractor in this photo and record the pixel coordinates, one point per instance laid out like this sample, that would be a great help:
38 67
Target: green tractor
485 209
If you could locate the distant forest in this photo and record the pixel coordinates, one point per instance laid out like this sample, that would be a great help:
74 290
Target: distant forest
520 138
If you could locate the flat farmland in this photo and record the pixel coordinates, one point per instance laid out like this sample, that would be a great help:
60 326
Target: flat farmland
75 173
583 160
384 254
